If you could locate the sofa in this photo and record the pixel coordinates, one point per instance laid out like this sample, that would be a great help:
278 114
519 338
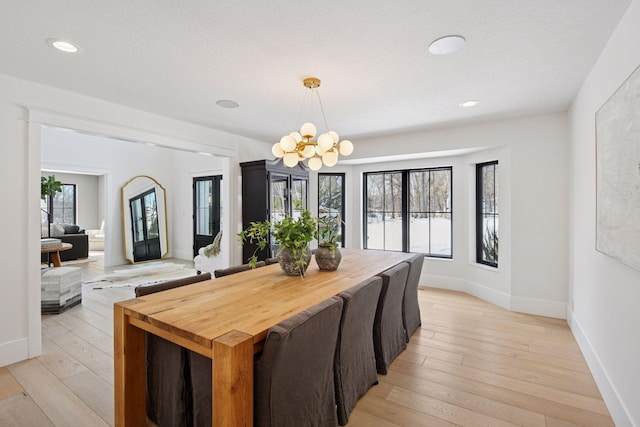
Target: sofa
96 239
69 233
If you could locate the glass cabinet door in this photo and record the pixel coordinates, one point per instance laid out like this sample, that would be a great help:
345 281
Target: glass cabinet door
279 203
298 196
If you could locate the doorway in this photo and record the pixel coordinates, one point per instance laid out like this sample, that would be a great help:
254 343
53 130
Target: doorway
207 210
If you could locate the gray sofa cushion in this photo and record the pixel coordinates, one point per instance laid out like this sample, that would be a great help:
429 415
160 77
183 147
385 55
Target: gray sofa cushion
355 361
293 377
71 229
389 336
410 306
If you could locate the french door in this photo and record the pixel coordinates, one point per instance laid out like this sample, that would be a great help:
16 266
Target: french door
207 210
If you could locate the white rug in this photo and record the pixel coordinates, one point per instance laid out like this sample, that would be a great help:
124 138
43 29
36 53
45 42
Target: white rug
79 261
146 274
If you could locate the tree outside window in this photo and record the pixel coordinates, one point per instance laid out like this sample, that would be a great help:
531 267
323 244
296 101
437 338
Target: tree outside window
64 205
331 198
409 211
487 218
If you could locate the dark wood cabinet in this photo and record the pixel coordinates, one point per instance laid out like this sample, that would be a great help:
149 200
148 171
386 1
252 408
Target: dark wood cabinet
271 190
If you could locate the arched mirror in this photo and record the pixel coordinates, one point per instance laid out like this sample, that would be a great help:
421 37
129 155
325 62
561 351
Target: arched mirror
144 219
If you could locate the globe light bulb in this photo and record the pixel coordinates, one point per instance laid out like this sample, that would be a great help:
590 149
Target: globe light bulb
276 150
287 143
325 142
309 151
308 130
334 136
291 159
296 136
345 147
320 151
330 158
315 163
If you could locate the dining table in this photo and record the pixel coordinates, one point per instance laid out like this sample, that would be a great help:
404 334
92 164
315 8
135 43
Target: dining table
227 320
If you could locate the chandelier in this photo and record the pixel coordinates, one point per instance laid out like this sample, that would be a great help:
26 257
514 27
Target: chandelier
299 146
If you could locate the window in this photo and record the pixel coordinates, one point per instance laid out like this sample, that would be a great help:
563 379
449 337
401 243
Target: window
487 213
409 210
331 198
64 205
430 228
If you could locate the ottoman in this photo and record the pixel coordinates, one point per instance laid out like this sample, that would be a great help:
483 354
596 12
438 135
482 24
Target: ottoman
61 289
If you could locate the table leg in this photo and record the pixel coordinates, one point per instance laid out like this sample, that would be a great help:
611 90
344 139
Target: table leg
233 380
55 259
129 371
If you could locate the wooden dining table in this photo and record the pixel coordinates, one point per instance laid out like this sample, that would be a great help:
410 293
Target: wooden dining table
227 320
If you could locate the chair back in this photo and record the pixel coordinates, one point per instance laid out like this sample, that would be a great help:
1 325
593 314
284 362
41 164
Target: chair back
236 269
168 386
355 361
410 306
389 337
170 284
293 377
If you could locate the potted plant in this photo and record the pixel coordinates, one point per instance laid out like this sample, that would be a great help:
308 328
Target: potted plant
49 186
328 254
293 236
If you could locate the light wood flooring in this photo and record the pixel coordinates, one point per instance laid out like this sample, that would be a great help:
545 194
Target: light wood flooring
471 364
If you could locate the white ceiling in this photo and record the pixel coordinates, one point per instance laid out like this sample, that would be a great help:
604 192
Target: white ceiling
177 58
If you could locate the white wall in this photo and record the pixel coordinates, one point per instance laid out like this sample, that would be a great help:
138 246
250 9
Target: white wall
120 161
604 303
87 197
533 157
24 108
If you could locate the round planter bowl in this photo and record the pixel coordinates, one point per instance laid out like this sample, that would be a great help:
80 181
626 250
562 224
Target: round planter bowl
327 259
289 267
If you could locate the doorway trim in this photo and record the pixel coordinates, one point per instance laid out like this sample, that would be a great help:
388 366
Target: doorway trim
36 119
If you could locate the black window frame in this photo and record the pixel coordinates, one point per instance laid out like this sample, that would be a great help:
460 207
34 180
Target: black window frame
405 208
342 201
481 213
52 208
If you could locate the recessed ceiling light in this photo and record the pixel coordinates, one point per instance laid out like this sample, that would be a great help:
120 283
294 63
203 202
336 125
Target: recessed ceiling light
226 103
446 45
63 45
470 103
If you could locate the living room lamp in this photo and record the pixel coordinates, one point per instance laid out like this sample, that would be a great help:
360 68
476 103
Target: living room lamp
298 146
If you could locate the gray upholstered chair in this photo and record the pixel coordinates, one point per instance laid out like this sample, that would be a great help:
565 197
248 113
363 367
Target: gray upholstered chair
201 398
168 389
410 306
389 336
273 260
293 377
355 361
236 269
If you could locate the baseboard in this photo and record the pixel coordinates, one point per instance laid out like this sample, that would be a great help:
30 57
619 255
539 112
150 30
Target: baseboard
616 407
454 284
185 255
539 307
520 304
14 351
